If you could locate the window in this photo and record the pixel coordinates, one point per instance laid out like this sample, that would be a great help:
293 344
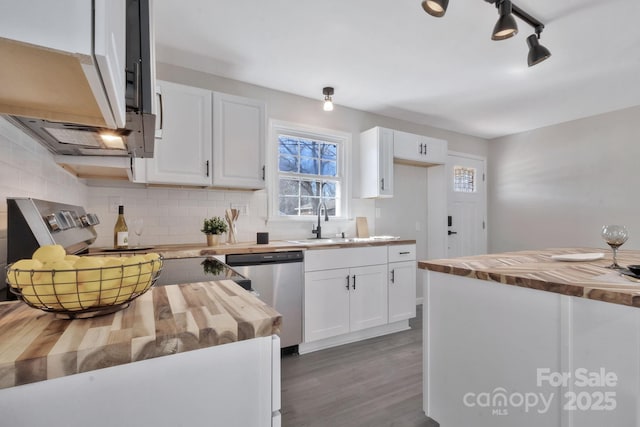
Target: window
464 179
310 171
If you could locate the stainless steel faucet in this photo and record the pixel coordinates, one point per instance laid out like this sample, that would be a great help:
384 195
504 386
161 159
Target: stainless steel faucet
318 230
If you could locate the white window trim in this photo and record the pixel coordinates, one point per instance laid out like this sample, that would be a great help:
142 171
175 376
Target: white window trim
277 127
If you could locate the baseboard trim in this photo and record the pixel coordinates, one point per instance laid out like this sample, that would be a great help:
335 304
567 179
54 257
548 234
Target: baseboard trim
308 347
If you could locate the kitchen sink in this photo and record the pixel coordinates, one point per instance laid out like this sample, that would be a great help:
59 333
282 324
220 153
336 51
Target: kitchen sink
331 240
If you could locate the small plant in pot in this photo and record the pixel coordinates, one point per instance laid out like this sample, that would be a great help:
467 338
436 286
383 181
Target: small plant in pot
213 227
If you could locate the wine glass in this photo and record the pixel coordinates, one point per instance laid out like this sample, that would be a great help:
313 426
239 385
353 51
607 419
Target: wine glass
615 236
138 226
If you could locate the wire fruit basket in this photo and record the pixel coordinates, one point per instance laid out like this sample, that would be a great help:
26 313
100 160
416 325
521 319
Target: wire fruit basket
85 292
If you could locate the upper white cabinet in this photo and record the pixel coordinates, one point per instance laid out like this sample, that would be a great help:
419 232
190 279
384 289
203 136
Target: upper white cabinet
376 163
418 149
206 138
64 60
239 142
183 154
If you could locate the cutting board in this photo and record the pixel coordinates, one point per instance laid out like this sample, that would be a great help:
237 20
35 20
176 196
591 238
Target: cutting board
362 228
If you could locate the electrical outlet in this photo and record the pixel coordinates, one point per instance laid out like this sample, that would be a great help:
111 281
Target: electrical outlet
243 208
114 202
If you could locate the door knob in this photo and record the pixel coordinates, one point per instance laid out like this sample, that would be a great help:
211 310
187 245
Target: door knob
449 232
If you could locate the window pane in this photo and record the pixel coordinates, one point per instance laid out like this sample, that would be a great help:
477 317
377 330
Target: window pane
328 168
464 180
289 205
287 145
288 164
289 187
329 151
308 148
329 190
309 165
310 188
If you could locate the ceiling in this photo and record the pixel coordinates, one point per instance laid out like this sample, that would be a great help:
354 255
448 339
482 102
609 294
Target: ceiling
389 57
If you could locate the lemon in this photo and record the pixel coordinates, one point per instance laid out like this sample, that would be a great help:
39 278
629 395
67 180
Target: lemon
71 258
110 289
21 272
49 253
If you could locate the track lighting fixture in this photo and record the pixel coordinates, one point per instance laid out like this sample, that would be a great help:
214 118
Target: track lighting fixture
506 26
435 8
537 52
328 100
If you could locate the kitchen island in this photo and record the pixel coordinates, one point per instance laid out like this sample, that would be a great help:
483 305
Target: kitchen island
521 339
189 354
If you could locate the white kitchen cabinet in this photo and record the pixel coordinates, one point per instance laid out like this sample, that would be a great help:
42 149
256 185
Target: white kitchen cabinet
235 384
402 282
345 291
376 163
183 154
74 51
239 142
418 149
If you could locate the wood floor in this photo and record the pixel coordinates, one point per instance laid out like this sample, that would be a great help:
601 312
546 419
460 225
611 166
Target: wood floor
376 382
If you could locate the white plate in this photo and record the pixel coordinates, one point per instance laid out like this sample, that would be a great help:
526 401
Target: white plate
578 257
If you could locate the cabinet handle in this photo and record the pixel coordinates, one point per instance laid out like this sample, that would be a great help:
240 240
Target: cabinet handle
263 172
161 112
354 282
404 253
393 276
347 282
425 149
382 184
421 148
207 162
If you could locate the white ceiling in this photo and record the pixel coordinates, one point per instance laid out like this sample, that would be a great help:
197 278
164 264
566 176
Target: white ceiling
390 57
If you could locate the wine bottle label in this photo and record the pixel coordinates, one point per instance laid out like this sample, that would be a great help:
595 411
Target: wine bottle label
123 238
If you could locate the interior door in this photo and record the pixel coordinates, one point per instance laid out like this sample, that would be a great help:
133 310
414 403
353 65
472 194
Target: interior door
466 206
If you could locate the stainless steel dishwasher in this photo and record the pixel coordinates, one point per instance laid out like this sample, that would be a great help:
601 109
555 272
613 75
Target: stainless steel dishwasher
278 278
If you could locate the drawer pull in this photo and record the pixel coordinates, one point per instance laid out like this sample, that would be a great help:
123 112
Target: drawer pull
393 276
354 282
347 282
404 253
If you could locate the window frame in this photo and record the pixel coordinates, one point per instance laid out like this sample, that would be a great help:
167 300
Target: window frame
343 141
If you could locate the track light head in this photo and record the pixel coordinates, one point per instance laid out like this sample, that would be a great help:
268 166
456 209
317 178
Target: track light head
506 26
537 52
435 8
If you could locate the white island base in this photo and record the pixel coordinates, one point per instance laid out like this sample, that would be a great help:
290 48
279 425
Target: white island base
500 355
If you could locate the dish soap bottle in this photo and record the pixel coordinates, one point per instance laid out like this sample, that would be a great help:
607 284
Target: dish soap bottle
120 231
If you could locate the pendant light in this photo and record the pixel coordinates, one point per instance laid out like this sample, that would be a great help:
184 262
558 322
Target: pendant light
435 8
506 26
537 52
328 100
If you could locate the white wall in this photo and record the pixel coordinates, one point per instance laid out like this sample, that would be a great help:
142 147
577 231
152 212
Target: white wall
27 170
557 186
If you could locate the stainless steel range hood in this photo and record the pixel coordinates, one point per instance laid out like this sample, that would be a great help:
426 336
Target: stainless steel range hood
68 101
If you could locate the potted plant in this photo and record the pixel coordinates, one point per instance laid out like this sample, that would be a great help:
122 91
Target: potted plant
213 227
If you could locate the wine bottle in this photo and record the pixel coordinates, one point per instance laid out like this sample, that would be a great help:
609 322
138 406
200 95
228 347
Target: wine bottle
120 231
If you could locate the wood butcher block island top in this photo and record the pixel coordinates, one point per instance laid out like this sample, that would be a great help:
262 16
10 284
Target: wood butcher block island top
36 346
537 270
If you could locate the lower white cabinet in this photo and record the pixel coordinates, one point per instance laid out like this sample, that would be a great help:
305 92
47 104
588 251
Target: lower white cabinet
402 282
344 300
231 385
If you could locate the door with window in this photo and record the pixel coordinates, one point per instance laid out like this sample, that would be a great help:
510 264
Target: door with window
466 206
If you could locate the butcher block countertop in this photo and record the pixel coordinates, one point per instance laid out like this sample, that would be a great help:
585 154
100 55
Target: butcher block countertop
36 346
196 250
537 270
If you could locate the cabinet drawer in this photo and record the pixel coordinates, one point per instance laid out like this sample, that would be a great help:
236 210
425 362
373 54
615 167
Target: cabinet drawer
402 253
325 259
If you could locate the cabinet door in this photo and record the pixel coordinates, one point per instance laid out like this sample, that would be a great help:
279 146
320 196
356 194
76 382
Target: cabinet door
369 301
418 149
239 142
183 155
402 290
326 304
376 163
